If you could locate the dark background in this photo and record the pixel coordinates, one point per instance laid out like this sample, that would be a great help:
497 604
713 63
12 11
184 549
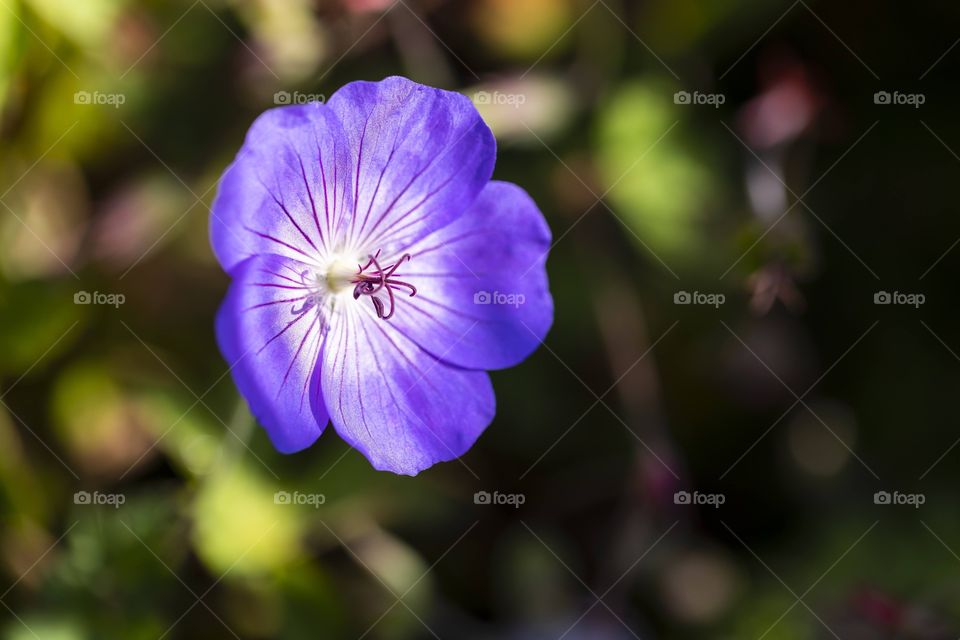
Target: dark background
798 198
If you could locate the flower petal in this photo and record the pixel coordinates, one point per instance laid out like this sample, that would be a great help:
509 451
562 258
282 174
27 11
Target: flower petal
483 300
420 156
398 405
288 190
272 336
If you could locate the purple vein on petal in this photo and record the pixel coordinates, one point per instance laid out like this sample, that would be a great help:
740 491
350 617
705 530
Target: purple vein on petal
376 190
430 317
283 277
280 242
296 273
313 205
273 302
413 365
283 208
376 360
447 151
453 310
416 175
274 285
422 376
323 179
447 274
456 338
296 355
373 351
386 165
314 358
454 240
282 331
356 186
342 209
343 368
386 232
396 199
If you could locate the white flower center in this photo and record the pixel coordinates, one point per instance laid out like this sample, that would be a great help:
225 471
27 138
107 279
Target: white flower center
341 272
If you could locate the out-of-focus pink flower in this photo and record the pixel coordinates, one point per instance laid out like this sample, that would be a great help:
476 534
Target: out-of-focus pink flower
786 106
366 6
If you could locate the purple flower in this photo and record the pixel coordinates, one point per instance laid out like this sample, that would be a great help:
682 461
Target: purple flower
377 272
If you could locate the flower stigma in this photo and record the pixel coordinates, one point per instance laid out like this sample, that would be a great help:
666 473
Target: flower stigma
373 279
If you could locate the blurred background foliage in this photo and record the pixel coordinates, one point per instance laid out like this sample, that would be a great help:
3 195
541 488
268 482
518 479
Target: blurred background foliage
797 198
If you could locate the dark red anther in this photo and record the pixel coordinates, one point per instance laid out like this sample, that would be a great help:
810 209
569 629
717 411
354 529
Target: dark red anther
380 279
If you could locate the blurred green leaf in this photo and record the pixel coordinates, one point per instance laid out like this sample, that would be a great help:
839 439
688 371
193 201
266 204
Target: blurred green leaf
11 41
678 25
33 626
192 441
96 419
240 528
21 484
524 28
35 319
660 185
88 23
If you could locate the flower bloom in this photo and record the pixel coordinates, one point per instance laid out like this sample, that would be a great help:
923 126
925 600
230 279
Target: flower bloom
377 272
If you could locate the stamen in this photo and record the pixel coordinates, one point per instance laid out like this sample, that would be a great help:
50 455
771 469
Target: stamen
311 299
380 279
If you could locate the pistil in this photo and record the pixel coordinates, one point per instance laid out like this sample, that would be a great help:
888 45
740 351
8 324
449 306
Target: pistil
372 278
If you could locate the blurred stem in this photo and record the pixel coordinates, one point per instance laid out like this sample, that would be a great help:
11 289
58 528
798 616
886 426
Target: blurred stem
623 329
601 51
242 426
418 48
